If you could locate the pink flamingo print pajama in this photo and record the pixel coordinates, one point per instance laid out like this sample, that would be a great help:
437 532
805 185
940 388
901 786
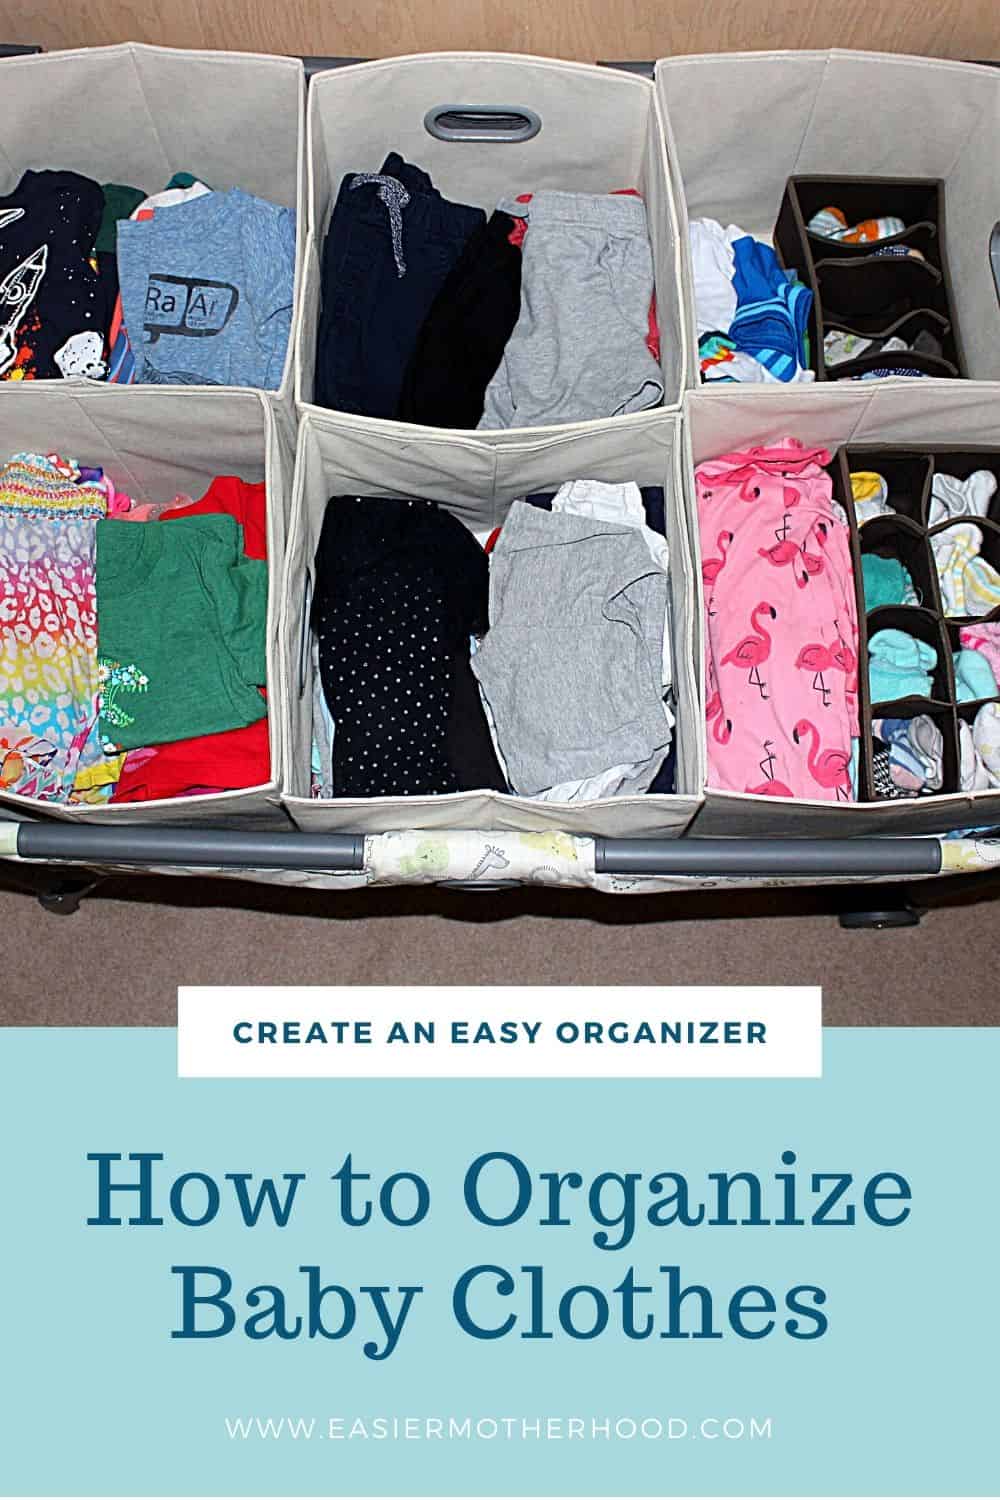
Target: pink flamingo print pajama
781 651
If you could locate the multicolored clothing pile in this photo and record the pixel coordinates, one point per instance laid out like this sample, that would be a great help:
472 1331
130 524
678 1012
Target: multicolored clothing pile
187 600
49 511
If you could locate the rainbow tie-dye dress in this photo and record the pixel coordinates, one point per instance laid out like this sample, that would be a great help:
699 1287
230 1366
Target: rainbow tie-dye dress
48 626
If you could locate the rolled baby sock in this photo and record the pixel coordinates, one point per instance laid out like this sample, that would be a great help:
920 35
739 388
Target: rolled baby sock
928 343
884 786
927 743
907 771
831 223
984 637
840 346
900 666
871 496
973 676
952 498
969 584
986 738
885 581
972 774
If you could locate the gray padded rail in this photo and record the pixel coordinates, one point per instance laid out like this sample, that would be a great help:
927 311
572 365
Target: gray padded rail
774 857
234 849
225 847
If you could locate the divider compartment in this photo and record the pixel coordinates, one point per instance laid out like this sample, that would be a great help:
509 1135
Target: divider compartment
900 362
905 543
953 633
916 201
989 552
944 721
922 326
907 475
874 291
477 484
961 464
922 237
922 625
154 445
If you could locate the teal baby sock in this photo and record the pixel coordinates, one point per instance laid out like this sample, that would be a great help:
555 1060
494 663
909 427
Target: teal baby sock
973 676
900 666
885 581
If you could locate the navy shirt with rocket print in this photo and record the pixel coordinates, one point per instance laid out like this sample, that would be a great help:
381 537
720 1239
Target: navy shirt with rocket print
53 304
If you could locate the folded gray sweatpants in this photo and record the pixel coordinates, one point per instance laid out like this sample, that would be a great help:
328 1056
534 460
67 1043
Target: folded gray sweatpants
578 350
572 662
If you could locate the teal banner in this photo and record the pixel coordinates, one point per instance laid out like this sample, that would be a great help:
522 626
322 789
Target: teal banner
507 1288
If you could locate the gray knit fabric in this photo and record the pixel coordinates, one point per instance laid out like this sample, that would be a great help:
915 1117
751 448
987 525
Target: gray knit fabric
578 351
572 661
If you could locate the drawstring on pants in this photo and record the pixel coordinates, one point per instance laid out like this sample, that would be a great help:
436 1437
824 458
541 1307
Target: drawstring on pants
394 195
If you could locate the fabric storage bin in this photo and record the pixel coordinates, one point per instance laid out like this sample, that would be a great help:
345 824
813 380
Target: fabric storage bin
477 483
599 132
904 432
740 126
155 445
136 114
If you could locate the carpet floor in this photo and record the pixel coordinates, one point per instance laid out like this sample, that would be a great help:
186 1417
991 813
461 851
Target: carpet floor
119 959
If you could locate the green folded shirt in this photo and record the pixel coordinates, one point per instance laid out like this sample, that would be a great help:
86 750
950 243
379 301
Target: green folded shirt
119 203
181 630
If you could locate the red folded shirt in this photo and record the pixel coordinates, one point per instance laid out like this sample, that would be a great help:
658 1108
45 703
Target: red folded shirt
246 503
223 762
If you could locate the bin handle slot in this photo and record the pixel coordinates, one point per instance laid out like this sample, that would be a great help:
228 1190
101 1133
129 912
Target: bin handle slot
304 635
502 123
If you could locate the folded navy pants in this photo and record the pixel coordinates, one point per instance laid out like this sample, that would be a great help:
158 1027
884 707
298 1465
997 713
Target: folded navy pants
391 243
461 344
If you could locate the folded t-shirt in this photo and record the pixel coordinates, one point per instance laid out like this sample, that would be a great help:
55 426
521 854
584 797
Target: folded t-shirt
233 758
54 310
181 643
206 290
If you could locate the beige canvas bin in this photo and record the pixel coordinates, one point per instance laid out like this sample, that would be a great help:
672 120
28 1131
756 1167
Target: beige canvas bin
154 445
956 416
477 484
739 125
136 114
600 131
